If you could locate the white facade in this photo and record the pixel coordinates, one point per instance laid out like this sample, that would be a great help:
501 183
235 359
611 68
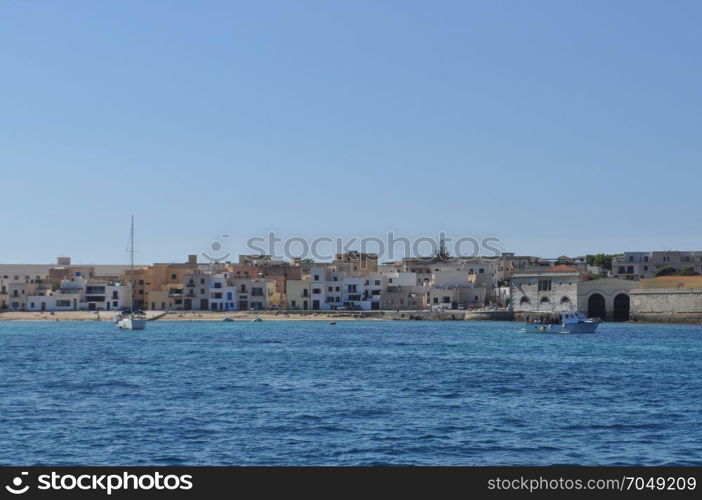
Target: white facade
354 294
223 297
546 291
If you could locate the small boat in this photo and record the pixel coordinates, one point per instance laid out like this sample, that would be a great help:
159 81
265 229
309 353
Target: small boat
570 322
332 322
256 319
227 320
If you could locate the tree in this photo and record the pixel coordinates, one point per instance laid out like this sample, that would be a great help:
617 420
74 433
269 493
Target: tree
601 260
666 271
307 260
442 254
687 271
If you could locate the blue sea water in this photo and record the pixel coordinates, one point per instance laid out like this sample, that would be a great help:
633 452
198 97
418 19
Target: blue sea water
307 393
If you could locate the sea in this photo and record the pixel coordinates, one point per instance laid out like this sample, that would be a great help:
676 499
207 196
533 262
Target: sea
351 393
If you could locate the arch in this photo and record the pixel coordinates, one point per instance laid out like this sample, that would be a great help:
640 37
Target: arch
596 306
524 300
544 300
621 307
565 300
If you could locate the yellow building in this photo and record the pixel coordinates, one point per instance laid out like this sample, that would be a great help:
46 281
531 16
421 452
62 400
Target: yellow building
159 277
298 294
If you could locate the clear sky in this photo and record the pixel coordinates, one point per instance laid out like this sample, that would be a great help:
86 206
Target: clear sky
558 126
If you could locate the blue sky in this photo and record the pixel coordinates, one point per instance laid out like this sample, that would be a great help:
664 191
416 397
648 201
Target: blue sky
558 126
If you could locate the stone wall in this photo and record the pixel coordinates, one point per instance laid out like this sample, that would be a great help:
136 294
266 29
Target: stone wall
666 305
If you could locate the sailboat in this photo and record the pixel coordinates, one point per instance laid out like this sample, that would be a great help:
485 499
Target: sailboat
133 321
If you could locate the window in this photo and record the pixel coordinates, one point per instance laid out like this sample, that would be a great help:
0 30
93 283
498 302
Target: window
544 285
377 282
544 300
524 300
174 276
316 291
331 289
316 277
564 300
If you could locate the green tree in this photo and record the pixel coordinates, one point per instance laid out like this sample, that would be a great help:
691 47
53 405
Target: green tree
666 271
602 260
687 271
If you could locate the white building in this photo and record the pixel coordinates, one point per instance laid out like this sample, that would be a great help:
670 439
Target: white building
554 289
223 297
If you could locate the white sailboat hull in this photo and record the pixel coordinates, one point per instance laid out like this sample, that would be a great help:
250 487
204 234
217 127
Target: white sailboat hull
132 324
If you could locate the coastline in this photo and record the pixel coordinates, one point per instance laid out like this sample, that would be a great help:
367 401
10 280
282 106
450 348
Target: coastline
199 316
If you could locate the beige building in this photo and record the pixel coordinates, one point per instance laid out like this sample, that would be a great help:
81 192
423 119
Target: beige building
643 265
299 294
158 277
607 298
356 263
257 294
399 298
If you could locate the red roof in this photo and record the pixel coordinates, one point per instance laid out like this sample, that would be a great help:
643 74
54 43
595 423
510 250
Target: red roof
560 268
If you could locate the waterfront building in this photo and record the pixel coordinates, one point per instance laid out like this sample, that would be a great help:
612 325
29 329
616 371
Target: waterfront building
401 298
326 288
606 298
643 265
355 295
553 289
298 294
223 293
169 298
159 276
256 294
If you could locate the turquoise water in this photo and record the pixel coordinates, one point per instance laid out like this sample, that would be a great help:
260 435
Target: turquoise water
443 393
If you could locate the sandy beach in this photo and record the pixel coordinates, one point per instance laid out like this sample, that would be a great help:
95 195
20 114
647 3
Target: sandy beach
198 316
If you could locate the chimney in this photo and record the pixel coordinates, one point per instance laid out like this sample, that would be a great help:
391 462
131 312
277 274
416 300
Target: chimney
192 259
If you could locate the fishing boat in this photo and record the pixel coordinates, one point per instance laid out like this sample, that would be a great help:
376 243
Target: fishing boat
568 322
134 320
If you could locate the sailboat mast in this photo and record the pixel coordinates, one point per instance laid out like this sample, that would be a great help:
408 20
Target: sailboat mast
131 265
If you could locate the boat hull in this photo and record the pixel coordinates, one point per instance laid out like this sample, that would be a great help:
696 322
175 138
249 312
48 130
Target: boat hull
585 327
132 324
